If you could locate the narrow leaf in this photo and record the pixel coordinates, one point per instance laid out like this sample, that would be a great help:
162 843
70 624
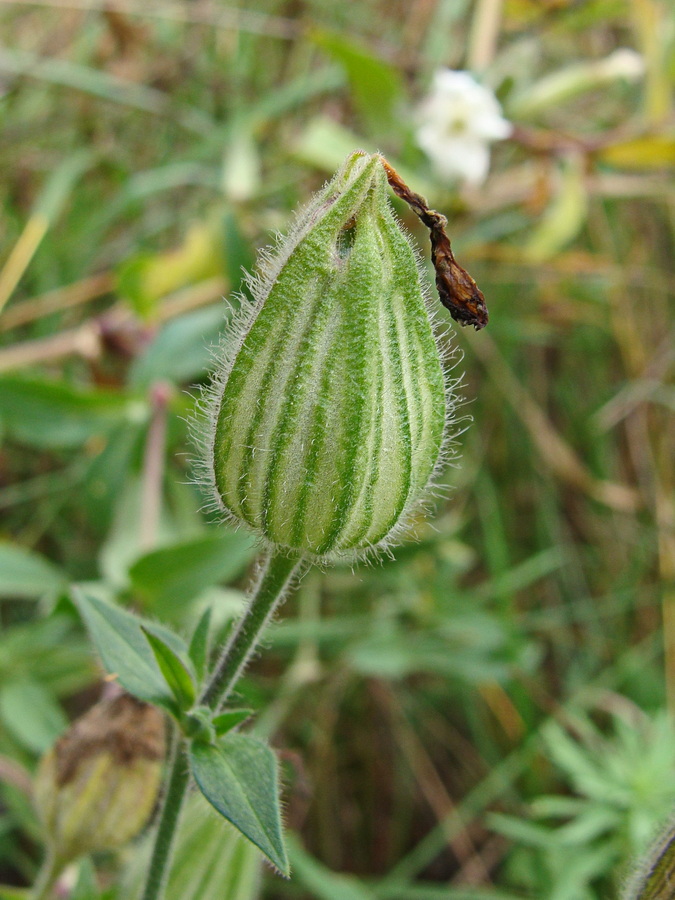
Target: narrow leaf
108 87
173 669
239 779
321 881
124 650
53 414
62 181
229 719
199 645
376 86
565 216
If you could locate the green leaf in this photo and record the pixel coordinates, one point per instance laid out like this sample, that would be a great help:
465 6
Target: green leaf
320 881
173 575
86 887
61 183
199 645
122 645
238 253
376 86
180 350
10 893
48 651
26 574
522 832
104 481
50 414
565 216
229 719
585 828
557 88
174 671
210 860
145 278
30 712
238 777
108 87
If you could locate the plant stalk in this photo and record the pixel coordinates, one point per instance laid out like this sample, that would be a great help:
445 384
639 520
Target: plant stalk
275 578
273 582
47 876
179 777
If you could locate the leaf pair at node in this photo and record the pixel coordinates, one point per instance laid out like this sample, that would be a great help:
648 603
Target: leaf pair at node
236 773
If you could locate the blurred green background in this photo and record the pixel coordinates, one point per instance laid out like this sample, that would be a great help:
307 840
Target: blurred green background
485 715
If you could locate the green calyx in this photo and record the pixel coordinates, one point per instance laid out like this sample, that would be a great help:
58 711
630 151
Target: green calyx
328 418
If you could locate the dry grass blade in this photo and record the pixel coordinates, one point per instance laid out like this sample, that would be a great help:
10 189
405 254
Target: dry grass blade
555 451
57 300
87 340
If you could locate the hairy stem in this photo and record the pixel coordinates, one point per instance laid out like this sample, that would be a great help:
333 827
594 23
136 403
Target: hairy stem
274 580
179 776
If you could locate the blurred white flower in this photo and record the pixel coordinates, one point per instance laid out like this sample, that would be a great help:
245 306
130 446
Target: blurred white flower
457 122
565 84
623 63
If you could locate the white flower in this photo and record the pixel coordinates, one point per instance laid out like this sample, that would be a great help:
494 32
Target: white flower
457 122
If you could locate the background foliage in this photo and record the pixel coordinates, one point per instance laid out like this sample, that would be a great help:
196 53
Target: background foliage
486 714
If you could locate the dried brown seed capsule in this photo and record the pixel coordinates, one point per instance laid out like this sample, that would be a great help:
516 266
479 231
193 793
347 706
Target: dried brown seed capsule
97 786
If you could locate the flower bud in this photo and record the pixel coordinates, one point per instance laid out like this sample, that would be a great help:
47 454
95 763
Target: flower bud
97 786
327 419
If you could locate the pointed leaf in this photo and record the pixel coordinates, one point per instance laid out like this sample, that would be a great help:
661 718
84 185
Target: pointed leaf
173 669
86 887
48 414
238 777
24 573
173 575
125 651
199 645
229 719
